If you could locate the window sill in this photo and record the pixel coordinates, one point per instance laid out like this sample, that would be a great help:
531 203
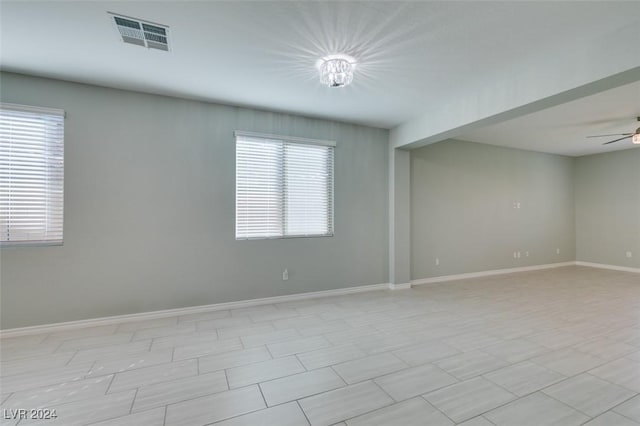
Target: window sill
18 244
287 237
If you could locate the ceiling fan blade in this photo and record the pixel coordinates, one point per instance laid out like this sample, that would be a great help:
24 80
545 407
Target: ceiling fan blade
616 140
615 134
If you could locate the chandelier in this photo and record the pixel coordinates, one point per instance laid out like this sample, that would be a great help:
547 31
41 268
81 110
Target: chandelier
336 71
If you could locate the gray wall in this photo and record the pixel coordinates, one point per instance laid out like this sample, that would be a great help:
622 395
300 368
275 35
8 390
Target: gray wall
462 196
149 210
608 208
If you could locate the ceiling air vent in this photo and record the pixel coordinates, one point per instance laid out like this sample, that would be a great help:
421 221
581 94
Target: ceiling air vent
142 33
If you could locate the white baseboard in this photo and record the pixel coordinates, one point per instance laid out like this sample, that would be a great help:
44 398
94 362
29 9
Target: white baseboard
613 267
489 273
403 286
94 322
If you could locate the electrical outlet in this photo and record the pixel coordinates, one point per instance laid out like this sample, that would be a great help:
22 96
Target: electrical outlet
629 254
518 255
557 251
515 254
437 261
285 275
526 254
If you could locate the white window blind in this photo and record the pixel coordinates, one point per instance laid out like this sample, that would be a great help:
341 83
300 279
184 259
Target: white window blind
31 174
284 187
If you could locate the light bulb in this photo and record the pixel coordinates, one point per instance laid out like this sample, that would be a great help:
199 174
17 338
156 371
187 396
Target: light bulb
636 138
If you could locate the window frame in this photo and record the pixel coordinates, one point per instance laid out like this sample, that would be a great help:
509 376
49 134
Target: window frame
40 242
285 140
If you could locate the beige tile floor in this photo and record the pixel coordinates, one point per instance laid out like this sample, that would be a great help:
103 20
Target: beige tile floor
552 347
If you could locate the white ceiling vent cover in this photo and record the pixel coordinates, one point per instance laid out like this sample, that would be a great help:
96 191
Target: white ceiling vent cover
135 31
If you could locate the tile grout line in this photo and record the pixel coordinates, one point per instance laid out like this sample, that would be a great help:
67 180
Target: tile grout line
110 383
610 382
71 359
303 412
437 409
612 409
262 394
484 418
226 378
567 405
202 396
135 395
243 414
393 402
568 376
489 410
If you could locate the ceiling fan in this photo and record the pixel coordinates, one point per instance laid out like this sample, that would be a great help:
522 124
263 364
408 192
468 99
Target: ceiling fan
635 137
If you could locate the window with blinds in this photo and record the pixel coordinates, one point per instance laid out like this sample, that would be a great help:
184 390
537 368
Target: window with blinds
31 175
284 187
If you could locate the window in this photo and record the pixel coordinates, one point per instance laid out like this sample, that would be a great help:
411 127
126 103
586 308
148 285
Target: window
31 175
284 187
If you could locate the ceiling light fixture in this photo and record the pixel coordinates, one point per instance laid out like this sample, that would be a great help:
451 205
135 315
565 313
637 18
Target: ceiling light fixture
336 71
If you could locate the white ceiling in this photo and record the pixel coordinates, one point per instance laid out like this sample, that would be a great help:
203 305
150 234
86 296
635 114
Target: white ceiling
563 129
411 55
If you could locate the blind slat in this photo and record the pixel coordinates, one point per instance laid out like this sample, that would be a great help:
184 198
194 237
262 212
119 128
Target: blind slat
31 175
283 188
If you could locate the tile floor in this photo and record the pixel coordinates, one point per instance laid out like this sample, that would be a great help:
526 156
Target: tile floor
552 347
